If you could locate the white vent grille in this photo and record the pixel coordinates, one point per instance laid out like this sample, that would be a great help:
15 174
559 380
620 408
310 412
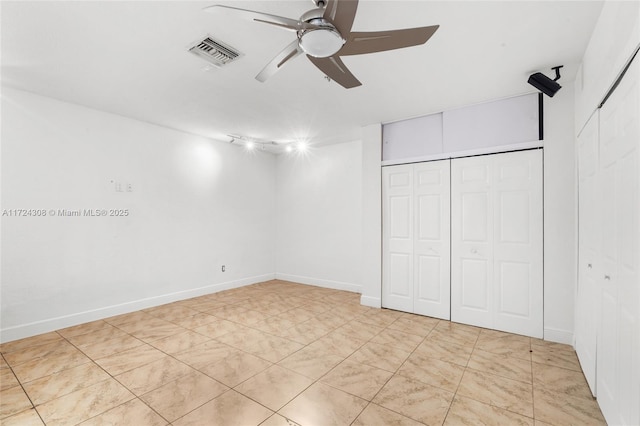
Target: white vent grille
214 51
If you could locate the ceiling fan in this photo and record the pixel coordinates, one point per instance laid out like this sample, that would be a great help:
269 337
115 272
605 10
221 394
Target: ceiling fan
324 35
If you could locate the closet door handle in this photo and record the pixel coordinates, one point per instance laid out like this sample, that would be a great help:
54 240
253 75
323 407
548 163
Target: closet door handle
589 266
607 277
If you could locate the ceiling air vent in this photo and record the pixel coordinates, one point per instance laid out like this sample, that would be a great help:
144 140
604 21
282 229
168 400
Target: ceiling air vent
214 51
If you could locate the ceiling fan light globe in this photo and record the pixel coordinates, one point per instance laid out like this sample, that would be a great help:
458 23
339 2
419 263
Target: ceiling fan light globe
321 43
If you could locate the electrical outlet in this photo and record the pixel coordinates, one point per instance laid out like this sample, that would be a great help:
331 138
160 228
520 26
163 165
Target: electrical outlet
223 268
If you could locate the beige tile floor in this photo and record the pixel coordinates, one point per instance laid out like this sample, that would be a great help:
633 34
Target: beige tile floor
279 353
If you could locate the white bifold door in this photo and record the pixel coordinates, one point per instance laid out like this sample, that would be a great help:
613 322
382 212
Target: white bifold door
496 242
589 239
618 279
416 238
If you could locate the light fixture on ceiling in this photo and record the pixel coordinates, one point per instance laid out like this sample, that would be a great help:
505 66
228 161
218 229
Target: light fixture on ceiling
300 147
251 144
545 84
323 39
296 148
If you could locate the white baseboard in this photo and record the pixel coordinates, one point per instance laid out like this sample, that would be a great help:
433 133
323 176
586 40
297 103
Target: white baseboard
44 326
558 336
335 285
374 302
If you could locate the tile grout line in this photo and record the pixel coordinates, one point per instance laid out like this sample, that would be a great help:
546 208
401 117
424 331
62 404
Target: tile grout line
502 377
533 385
318 380
396 372
112 377
189 366
171 381
369 402
33 406
315 381
276 363
466 366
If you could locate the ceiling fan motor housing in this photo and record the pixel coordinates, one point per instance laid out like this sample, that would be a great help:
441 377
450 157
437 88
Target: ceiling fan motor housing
321 42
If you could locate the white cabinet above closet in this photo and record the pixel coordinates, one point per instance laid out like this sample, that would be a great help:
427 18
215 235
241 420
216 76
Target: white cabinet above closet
498 126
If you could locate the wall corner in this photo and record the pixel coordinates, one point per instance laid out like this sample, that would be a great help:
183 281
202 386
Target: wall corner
371 215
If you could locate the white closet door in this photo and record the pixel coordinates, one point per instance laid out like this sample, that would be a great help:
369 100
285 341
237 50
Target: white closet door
518 266
496 260
432 240
618 360
589 239
472 241
397 193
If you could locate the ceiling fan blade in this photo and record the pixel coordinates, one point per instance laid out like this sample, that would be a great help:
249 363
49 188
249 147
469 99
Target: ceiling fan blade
288 53
341 13
265 18
359 43
336 70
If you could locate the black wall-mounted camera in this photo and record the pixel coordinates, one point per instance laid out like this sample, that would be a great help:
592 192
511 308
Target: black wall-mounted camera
545 84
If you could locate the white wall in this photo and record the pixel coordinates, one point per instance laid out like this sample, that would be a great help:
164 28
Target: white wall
195 204
372 216
319 216
560 216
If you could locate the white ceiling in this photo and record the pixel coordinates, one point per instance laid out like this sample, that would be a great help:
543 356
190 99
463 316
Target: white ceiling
130 58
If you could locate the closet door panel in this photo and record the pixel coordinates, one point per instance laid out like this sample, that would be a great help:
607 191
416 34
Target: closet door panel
626 283
518 293
471 241
432 239
397 286
589 240
608 295
474 290
496 240
618 344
